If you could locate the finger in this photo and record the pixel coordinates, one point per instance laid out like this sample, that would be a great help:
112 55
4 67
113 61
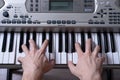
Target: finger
25 49
71 67
102 60
96 51
88 46
52 63
20 59
43 47
32 46
78 49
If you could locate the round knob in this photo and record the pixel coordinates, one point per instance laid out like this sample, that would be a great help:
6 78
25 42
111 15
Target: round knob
5 14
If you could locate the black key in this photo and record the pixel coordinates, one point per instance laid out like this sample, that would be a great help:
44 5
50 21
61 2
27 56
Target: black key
50 42
11 42
89 35
72 42
21 42
99 41
34 36
4 42
27 39
66 42
83 41
106 42
43 37
60 42
112 42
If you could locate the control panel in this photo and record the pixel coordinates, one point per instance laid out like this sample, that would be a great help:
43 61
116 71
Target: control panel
60 13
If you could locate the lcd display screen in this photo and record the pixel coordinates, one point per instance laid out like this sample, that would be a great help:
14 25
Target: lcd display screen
61 5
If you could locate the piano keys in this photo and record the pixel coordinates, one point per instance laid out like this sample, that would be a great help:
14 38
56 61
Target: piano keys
61 46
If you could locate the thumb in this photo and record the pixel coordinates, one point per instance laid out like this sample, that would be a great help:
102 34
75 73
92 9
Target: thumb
71 67
20 59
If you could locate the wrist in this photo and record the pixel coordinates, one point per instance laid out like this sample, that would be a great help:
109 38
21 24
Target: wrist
32 76
96 76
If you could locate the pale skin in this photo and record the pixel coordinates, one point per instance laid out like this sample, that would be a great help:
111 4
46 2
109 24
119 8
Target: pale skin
35 63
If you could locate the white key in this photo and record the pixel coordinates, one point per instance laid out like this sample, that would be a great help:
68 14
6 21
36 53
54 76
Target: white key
63 37
70 57
18 54
86 36
3 74
103 51
63 58
79 38
52 55
39 35
118 46
69 47
94 41
1 42
75 58
116 54
13 53
110 51
63 54
110 58
6 54
25 36
58 55
47 49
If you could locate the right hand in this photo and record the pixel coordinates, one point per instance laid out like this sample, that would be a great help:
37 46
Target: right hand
89 65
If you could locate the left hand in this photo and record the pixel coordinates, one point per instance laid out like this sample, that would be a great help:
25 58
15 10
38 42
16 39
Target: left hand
35 60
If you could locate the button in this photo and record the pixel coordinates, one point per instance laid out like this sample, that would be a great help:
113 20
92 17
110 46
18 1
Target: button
102 22
15 16
68 22
49 22
4 21
36 5
31 0
63 22
38 22
37 1
5 14
29 22
23 21
54 22
34 22
26 16
36 9
31 9
115 22
19 21
96 22
59 22
21 16
110 22
90 22
31 5
95 17
8 21
14 21
110 9
73 22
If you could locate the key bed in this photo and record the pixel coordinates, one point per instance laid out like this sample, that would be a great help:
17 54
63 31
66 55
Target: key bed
61 46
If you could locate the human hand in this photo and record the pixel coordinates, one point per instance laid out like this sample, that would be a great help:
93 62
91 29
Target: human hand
89 65
35 63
